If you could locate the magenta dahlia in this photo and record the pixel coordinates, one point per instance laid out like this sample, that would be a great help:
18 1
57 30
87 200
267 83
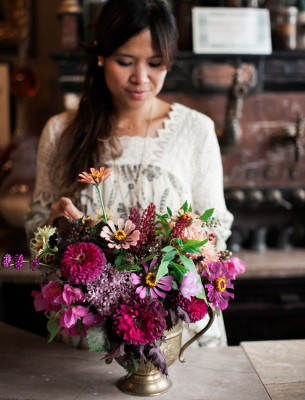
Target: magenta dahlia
82 262
140 322
194 307
219 277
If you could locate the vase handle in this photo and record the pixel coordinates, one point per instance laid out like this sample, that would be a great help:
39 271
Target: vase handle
211 313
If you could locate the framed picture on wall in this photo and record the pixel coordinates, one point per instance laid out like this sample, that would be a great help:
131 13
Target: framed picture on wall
15 16
223 30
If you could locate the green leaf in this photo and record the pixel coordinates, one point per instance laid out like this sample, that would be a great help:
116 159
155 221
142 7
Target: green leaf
192 250
168 248
202 295
150 257
119 260
190 208
178 271
195 243
97 339
207 215
188 263
170 255
169 211
163 270
184 207
53 328
166 228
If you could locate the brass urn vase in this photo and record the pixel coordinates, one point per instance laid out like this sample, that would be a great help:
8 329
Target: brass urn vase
148 381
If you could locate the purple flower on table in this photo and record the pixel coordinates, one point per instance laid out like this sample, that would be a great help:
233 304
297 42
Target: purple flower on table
18 260
34 264
190 286
219 277
6 260
148 281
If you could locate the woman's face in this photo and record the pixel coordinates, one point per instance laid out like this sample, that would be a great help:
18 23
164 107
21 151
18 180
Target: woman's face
135 72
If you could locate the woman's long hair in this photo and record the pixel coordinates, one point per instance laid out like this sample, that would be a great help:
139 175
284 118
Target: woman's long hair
118 21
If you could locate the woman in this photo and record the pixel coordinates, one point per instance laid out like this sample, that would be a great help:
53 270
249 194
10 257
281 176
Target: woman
159 152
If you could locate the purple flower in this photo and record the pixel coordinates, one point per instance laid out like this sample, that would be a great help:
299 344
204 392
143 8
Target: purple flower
189 286
219 277
148 281
111 288
18 260
82 262
69 318
6 260
34 264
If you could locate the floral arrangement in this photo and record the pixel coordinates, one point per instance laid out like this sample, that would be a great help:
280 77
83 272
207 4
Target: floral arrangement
122 283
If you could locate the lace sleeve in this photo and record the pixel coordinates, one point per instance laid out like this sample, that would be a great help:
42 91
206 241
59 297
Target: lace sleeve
46 192
208 179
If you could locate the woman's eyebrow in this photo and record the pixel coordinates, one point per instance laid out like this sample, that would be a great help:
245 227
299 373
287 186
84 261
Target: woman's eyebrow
132 56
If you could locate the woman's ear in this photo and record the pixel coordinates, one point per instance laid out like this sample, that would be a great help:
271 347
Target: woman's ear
100 61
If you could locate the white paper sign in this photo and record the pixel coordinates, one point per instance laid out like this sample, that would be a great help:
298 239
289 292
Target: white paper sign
231 30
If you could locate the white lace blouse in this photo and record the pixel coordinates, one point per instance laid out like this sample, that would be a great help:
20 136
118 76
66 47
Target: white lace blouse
182 163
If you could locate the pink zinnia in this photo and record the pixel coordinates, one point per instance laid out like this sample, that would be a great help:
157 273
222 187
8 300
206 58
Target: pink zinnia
82 262
96 176
148 281
219 277
194 307
125 236
190 286
141 322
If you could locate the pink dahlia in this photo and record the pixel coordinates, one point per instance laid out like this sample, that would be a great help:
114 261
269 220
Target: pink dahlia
219 277
82 262
194 307
125 236
140 322
148 281
190 286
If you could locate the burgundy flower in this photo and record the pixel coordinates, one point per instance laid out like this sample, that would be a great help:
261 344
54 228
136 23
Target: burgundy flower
140 322
194 307
82 262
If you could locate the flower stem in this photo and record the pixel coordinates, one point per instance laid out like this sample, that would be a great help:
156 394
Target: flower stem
102 204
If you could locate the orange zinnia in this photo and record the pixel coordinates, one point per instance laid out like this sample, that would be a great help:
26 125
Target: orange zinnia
96 176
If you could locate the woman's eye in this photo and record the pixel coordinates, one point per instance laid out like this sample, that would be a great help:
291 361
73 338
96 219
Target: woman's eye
123 63
155 64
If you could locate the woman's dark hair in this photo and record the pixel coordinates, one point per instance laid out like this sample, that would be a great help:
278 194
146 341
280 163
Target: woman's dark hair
118 21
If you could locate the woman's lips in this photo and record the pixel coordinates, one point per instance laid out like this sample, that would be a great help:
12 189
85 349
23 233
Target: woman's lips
137 95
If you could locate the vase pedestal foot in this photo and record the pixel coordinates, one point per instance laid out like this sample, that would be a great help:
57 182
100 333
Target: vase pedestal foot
145 385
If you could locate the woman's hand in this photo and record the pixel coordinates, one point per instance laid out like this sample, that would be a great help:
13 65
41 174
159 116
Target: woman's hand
63 208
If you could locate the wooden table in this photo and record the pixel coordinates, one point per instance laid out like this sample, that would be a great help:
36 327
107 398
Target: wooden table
31 369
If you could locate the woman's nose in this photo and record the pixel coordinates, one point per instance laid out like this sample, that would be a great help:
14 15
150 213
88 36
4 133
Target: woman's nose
139 75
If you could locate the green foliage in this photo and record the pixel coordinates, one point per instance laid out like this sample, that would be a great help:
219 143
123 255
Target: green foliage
53 328
97 339
207 215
